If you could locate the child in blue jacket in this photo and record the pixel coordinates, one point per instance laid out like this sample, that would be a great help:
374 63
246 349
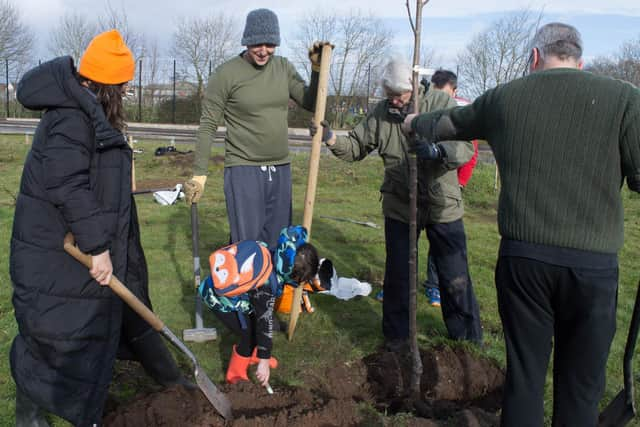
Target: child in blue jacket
241 291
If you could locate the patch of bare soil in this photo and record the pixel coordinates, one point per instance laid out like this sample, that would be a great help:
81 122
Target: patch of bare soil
459 389
252 406
456 385
181 162
184 160
156 184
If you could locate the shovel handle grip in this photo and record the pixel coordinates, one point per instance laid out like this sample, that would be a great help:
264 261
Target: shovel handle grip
116 286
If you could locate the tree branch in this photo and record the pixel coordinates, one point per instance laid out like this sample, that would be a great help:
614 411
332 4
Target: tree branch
413 27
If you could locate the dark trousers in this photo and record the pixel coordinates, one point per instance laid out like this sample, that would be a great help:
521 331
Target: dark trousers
576 309
432 273
258 202
247 336
458 301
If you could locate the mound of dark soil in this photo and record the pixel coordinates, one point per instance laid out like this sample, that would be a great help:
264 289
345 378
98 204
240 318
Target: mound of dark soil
332 401
182 162
154 184
455 384
459 389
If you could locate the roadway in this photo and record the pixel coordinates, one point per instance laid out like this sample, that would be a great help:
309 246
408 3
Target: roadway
170 132
299 139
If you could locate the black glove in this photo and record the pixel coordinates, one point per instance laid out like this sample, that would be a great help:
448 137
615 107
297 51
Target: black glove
326 130
426 150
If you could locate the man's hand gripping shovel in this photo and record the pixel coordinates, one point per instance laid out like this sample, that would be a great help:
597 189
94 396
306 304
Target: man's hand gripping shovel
218 399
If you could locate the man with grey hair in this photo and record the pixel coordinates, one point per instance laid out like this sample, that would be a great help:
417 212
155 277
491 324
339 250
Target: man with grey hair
440 207
564 141
554 42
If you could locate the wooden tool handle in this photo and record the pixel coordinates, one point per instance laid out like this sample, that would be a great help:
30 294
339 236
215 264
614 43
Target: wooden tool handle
316 141
133 166
116 286
295 311
314 166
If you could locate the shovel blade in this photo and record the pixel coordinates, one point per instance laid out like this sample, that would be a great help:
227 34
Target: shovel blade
218 399
618 412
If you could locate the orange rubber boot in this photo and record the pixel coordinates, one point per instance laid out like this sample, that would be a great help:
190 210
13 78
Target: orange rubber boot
273 362
237 370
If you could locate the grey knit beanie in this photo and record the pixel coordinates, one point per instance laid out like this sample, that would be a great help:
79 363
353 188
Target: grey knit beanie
261 27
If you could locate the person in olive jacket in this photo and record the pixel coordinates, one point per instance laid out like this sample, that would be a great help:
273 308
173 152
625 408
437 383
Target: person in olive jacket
440 208
77 178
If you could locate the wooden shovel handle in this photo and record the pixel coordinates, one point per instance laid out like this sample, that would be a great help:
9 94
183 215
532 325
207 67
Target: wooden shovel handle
295 310
116 286
316 141
314 166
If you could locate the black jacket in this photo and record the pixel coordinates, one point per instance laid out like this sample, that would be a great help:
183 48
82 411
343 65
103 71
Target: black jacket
77 177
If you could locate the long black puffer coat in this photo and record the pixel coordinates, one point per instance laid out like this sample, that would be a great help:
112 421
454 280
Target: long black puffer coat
77 177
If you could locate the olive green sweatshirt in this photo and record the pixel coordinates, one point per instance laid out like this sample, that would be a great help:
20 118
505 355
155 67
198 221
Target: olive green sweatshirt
253 102
564 140
439 196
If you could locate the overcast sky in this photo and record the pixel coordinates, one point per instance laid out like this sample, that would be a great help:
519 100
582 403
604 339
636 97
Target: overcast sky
449 24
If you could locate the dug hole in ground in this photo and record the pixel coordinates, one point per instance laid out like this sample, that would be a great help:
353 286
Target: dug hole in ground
458 388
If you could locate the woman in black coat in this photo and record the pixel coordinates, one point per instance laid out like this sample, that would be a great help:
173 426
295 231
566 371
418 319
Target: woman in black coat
77 177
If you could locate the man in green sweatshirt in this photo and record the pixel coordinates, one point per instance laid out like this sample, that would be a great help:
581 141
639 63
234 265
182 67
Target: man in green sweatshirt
250 95
564 141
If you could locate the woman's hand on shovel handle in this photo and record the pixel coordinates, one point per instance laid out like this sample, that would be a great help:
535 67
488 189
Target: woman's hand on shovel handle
101 268
263 371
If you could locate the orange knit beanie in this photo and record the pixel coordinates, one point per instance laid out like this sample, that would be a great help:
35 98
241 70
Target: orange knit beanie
107 59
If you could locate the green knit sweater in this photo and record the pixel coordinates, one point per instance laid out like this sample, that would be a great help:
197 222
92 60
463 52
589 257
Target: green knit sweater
253 103
564 140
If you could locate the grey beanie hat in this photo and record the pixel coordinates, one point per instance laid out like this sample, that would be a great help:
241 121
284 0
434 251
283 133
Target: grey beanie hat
261 27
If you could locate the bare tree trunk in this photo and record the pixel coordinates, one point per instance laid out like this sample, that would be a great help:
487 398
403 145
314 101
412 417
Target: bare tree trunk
16 42
498 54
201 43
361 40
416 373
71 36
152 75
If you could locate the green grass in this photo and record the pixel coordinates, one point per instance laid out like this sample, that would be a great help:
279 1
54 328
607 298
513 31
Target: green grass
338 330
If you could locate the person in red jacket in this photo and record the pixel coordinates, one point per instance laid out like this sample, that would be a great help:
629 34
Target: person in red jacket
447 81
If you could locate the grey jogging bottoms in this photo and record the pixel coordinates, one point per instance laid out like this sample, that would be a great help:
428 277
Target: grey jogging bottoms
258 202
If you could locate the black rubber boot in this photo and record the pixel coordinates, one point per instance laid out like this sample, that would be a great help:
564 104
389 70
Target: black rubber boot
156 359
28 414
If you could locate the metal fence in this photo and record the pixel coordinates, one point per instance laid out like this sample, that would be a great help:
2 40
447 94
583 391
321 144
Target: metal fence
165 91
